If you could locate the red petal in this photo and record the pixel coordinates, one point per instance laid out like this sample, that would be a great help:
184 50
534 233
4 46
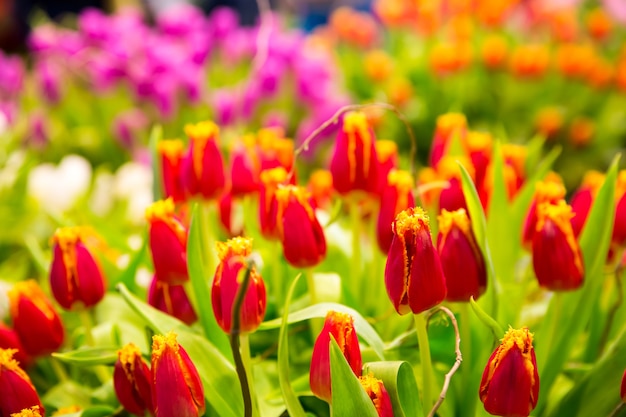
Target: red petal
426 284
168 254
304 244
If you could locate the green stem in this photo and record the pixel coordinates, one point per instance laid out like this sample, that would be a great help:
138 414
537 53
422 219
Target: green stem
355 221
208 238
466 370
58 369
316 324
277 276
421 326
546 345
244 341
85 319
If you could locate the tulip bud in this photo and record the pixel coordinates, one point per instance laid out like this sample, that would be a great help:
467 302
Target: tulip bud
275 150
301 234
230 217
10 340
270 179
413 274
168 239
171 299
76 278
462 261
34 411
545 192
557 259
232 255
177 386
34 320
584 197
397 196
132 381
387 154
375 389
16 390
452 198
478 146
510 382
448 125
354 163
171 154
245 168
321 188
202 167
341 327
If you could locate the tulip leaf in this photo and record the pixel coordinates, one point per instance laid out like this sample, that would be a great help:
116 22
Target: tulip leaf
200 286
89 356
479 226
294 408
487 320
363 328
215 370
93 411
399 381
569 313
156 134
348 396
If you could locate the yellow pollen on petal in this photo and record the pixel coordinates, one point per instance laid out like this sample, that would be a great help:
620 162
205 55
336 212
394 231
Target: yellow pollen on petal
373 388
127 356
448 219
7 362
356 127
200 134
403 182
271 178
412 219
237 246
549 191
478 141
448 123
31 291
172 149
386 150
344 324
160 343
67 238
34 411
560 214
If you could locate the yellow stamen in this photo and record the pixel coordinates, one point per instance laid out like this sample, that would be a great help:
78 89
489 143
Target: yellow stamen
345 324
412 219
200 134
548 191
237 246
127 356
160 343
34 411
7 362
356 127
373 388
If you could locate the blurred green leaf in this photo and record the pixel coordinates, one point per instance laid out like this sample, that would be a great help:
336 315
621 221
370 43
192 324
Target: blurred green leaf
349 397
156 134
400 383
89 356
363 328
94 411
487 320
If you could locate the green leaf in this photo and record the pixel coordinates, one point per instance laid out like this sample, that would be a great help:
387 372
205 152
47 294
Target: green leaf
200 285
127 277
363 328
349 397
487 320
156 134
89 356
215 370
291 400
93 411
399 381
569 313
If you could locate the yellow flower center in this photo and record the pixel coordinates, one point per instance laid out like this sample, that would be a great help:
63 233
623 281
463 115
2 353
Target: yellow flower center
412 219
237 246
160 343
548 191
7 363
34 411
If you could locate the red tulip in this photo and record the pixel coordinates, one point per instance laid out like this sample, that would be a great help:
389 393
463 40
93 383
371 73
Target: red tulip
171 299
34 411
448 125
396 196
171 154
168 240
16 390
510 382
451 197
341 327
387 154
178 390
76 279
354 163
10 340
375 389
462 261
270 180
35 321
622 388
321 188
226 282
245 168
413 275
557 259
275 150
132 381
584 197
545 192
203 167
301 234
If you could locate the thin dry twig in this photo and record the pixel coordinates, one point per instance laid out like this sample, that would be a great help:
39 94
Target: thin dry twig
457 362
352 107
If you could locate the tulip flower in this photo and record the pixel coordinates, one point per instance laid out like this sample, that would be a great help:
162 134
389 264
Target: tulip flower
171 299
478 146
301 234
545 192
132 381
557 259
510 382
413 274
229 220
245 168
171 154
16 390
10 340
168 239
448 125
203 167
341 327
270 179
451 197
34 411
232 255
397 196
274 149
178 390
375 389
387 154
35 321
462 261
354 163
76 279
321 188
583 198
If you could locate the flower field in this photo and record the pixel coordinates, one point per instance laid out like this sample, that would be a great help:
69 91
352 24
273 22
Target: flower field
416 210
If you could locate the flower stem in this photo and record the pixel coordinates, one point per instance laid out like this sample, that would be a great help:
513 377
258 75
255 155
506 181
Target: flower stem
58 369
208 238
546 347
466 370
244 341
421 326
85 319
355 222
